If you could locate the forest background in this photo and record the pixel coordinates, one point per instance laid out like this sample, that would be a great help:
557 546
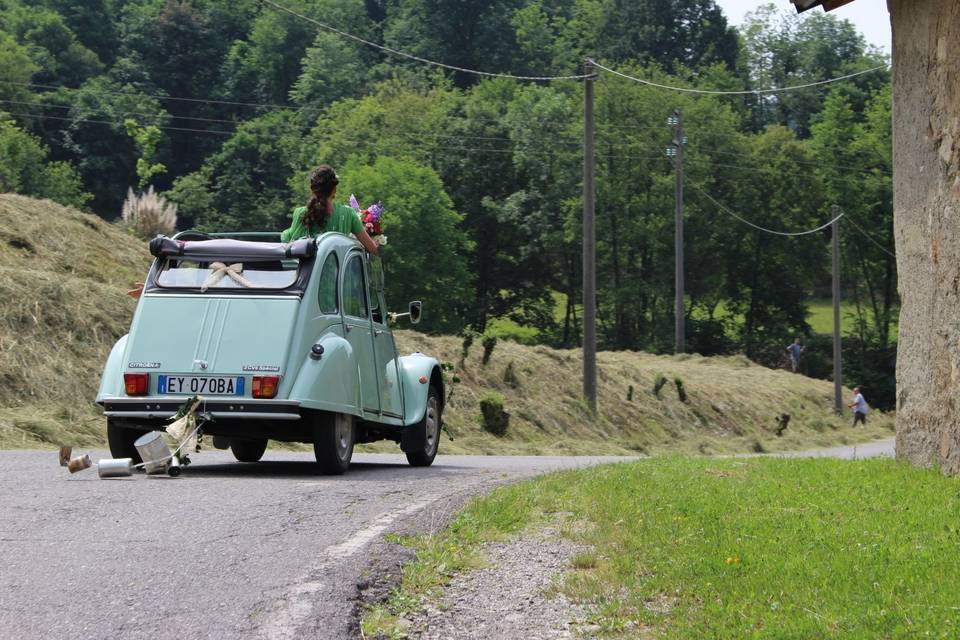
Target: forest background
224 106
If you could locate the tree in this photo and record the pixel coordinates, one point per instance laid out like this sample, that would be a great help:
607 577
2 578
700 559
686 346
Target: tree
50 42
16 72
425 258
783 49
24 168
146 139
691 33
89 131
243 187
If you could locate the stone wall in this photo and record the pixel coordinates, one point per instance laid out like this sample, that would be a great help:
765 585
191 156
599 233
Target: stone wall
926 114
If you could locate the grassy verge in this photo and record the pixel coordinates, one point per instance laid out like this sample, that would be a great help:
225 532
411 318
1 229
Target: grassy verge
732 548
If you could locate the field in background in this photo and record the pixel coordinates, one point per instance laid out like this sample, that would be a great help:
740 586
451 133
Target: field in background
63 277
731 548
820 318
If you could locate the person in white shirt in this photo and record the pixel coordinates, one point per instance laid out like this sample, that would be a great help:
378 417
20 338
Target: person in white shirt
860 408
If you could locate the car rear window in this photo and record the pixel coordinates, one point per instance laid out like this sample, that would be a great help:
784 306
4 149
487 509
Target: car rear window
227 274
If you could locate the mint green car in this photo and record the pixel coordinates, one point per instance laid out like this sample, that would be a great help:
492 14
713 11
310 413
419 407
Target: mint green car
288 342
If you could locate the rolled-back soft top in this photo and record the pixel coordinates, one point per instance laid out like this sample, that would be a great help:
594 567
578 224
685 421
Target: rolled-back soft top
163 247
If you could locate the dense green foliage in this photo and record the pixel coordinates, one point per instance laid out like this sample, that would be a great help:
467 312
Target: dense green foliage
699 548
247 99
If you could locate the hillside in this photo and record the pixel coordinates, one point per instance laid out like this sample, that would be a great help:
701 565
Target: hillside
63 277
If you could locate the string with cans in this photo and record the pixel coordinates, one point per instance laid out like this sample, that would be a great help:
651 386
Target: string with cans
157 457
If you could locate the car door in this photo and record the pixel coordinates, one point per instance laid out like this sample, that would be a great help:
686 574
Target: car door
358 330
385 349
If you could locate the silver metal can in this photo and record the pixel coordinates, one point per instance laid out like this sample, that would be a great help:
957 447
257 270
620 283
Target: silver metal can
154 451
115 467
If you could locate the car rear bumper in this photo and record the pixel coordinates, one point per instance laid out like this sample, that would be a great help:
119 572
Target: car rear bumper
165 407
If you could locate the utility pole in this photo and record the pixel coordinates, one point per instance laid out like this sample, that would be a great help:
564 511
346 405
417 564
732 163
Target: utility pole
676 151
837 351
589 246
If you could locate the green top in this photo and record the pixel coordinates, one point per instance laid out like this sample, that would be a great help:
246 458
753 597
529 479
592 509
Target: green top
343 220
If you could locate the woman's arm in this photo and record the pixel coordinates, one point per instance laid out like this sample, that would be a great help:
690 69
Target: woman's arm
368 243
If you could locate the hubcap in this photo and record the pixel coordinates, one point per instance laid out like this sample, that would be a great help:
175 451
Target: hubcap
433 425
343 432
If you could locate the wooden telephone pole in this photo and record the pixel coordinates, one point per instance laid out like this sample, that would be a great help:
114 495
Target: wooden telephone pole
676 150
589 246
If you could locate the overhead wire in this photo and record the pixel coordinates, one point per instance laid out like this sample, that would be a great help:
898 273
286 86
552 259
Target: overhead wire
869 237
417 58
729 212
117 124
50 105
732 93
134 94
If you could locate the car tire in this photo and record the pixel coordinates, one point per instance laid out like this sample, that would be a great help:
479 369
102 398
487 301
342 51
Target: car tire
333 439
121 441
248 450
427 432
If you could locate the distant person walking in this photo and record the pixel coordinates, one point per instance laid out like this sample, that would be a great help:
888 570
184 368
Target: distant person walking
795 350
860 408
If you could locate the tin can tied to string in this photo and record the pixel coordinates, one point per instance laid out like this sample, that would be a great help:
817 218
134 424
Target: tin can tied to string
154 452
115 467
79 463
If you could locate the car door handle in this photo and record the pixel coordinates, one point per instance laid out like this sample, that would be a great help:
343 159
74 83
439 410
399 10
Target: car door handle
377 332
347 328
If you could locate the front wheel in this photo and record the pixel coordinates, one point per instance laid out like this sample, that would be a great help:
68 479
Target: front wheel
121 441
245 450
427 432
333 442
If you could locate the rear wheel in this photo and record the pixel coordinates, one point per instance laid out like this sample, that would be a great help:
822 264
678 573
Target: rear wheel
333 442
428 432
248 450
121 441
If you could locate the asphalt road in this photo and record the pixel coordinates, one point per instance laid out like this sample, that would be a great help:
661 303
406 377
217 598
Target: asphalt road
228 550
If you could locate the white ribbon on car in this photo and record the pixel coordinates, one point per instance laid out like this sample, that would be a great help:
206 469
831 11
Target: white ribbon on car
218 270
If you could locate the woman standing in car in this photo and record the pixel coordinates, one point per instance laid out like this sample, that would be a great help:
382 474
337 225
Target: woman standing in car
323 214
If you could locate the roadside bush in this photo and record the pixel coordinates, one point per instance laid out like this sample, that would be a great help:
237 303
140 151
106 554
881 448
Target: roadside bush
489 342
681 392
510 376
658 383
494 419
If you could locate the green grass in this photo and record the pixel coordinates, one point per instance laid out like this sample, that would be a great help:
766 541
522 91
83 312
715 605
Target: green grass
821 317
732 548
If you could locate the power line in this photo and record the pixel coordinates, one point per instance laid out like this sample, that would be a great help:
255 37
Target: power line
104 111
116 124
764 229
411 56
870 238
732 93
133 94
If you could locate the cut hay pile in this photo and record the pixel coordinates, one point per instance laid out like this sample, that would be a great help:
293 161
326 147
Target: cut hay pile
63 278
732 405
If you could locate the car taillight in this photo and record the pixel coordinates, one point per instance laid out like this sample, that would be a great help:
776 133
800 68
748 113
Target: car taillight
136 383
265 386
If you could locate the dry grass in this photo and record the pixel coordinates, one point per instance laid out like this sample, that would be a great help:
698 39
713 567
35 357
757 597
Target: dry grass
63 276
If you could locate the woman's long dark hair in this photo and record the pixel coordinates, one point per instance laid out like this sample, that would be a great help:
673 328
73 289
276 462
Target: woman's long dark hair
323 180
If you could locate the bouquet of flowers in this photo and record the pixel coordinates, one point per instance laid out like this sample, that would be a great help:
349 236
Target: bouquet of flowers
370 217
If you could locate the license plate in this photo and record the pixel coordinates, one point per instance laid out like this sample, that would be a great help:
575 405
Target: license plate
204 385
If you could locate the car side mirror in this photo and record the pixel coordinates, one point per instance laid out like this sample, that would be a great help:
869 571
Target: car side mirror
415 309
